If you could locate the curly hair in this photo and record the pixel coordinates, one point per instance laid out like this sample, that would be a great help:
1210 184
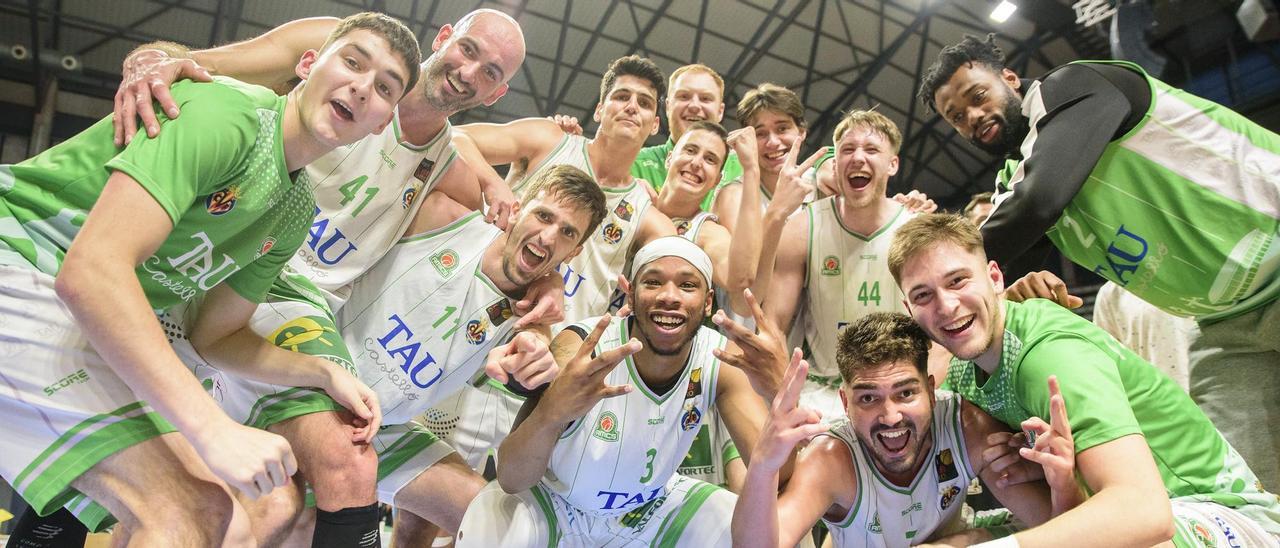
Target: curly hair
881 338
951 58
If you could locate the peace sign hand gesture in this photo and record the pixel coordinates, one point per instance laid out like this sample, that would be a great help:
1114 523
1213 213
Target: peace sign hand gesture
580 384
787 424
792 187
1054 449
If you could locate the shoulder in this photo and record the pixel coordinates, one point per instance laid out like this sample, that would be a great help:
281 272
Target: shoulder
223 95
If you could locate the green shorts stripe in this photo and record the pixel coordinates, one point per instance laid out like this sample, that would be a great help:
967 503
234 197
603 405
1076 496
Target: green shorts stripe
548 512
288 404
673 526
404 448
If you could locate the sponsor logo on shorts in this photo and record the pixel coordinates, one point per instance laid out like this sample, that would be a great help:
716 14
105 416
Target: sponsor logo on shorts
624 210
80 376
445 261
607 428
222 201
692 417
406 199
831 266
949 496
266 246
946 466
637 519
425 167
476 331
612 233
300 331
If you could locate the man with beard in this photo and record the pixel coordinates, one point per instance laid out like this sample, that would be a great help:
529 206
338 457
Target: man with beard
695 93
1153 464
1170 196
897 470
366 197
591 461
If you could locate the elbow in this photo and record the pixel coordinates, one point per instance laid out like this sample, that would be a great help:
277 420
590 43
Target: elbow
511 485
1161 527
71 283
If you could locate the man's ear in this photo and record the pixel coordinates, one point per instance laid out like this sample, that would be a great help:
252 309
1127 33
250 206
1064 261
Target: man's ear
511 217
306 64
596 115
893 165
844 400
1011 79
446 31
997 277
497 94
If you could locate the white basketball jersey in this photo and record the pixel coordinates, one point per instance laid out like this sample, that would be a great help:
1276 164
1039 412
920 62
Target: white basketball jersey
620 455
689 228
888 515
366 195
591 277
846 278
420 323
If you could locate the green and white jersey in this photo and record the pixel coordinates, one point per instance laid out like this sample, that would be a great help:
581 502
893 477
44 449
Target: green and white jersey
1183 210
591 278
218 171
421 321
689 228
620 455
651 165
846 277
914 513
1110 392
366 195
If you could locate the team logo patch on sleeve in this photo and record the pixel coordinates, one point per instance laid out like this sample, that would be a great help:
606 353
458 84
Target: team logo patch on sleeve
499 312
266 246
831 266
476 331
607 427
682 226
612 233
406 199
949 496
692 417
445 261
624 210
946 466
222 201
425 167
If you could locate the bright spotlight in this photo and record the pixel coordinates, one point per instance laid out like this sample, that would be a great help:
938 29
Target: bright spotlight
1003 11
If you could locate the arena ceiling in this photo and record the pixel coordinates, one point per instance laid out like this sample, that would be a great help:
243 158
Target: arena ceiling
837 54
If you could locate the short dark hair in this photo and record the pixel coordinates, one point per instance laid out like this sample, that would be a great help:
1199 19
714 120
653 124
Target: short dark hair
402 41
977 199
951 58
640 67
716 129
881 338
773 97
566 183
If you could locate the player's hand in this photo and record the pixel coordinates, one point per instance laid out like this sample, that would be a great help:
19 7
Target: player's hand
543 302
499 202
526 358
1002 458
1042 285
348 391
743 142
580 384
787 424
916 202
147 74
624 286
568 124
250 460
1054 449
761 354
792 187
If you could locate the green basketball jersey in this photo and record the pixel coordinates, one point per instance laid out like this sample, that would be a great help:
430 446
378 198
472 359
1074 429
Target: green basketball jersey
651 165
1183 210
1110 392
218 171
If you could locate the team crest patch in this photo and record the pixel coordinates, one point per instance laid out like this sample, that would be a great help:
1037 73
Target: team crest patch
692 417
445 261
682 226
476 331
946 466
831 266
222 201
499 312
266 246
874 526
612 233
406 199
624 210
1202 534
425 167
949 496
607 427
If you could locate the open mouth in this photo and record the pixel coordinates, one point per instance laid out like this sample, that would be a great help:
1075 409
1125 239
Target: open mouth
666 322
989 131
454 84
691 178
532 256
959 326
342 110
894 440
859 182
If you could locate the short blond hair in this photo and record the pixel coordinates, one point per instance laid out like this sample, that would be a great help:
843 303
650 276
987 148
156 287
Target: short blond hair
696 67
927 231
873 120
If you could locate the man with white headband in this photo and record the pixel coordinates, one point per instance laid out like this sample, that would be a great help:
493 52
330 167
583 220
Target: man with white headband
592 459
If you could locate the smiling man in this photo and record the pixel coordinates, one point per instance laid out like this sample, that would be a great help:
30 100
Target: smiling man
1153 464
208 210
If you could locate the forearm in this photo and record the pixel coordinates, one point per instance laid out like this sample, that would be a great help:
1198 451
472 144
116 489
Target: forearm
172 49
523 457
744 244
755 516
964 538
470 153
248 355
773 223
1119 516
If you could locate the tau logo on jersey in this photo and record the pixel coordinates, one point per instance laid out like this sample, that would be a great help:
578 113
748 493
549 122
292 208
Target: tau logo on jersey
300 331
266 246
445 261
692 417
1124 254
607 428
831 266
425 167
567 272
222 201
946 466
476 331
200 266
408 354
319 229
1232 541
624 210
612 233
406 199
499 312
949 496
627 499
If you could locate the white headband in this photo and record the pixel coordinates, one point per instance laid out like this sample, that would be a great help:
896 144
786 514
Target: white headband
673 246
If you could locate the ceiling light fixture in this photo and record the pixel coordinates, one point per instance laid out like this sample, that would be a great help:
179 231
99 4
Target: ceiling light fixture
1003 11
